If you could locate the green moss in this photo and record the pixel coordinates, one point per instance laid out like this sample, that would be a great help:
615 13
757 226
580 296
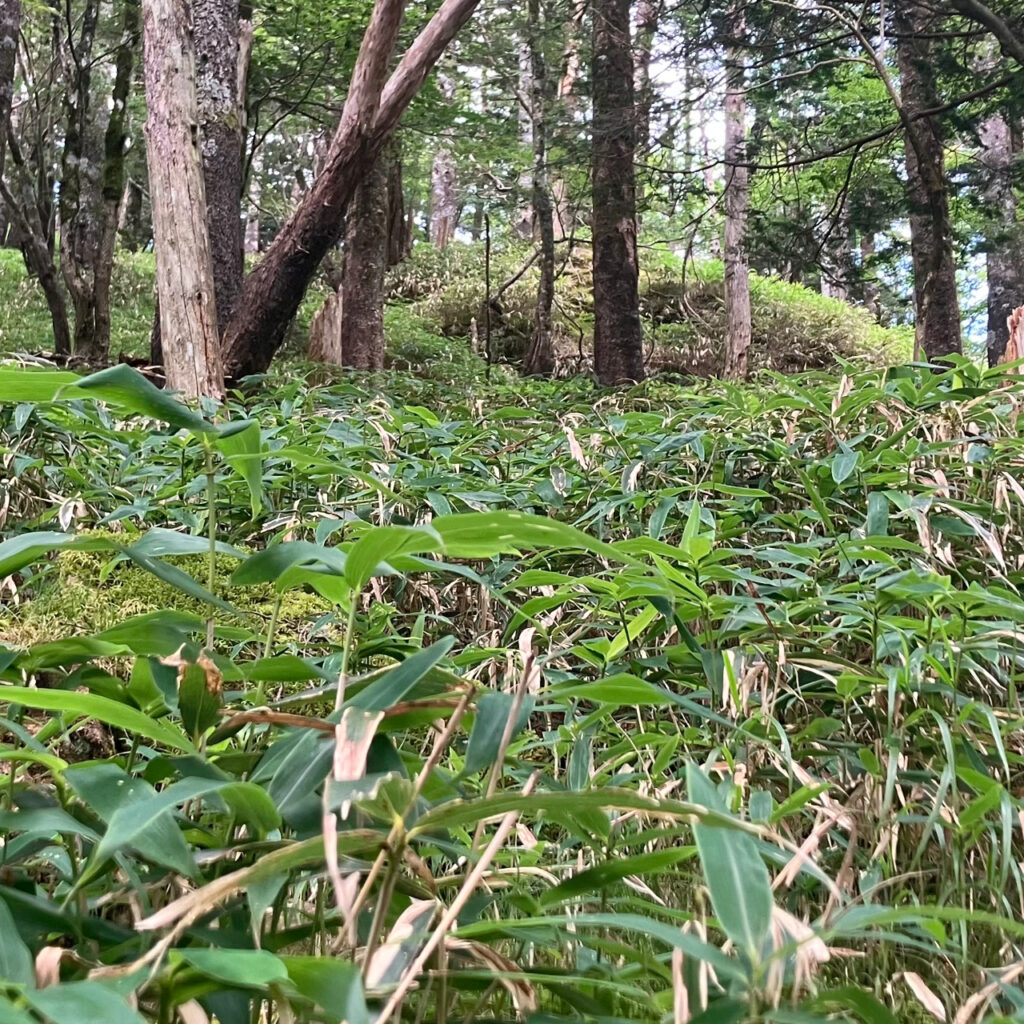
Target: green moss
87 592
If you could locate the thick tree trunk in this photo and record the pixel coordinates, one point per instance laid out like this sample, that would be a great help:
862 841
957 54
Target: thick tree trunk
540 356
937 325
218 73
366 243
618 338
737 197
272 293
444 200
1004 243
184 271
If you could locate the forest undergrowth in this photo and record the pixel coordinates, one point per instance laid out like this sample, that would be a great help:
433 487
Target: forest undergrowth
516 700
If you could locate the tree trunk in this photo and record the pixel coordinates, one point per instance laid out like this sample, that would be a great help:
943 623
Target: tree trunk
252 214
184 271
366 244
737 197
10 29
872 301
399 235
218 73
114 142
444 202
618 338
273 291
937 325
540 356
647 16
325 344
80 196
1004 243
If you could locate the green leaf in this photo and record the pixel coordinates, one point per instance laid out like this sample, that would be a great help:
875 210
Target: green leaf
244 968
493 711
486 534
77 1002
859 1000
369 554
738 881
333 984
391 687
243 452
199 700
622 690
16 964
121 716
25 385
843 464
269 565
127 389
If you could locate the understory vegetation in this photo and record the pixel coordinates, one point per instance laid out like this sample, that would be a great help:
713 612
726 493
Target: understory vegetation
686 702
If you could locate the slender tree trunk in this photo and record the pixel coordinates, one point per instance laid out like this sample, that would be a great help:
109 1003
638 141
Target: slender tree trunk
273 291
937 325
1004 243
399 236
114 142
540 356
648 13
618 338
366 244
444 202
737 197
184 270
252 214
872 302
80 197
216 36
10 29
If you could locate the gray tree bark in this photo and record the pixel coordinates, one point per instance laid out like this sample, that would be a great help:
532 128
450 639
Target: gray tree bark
184 269
216 35
444 201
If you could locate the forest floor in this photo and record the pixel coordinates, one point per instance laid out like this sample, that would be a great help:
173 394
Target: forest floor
809 585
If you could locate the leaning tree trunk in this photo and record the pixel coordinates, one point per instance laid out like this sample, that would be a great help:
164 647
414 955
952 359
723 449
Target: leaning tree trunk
217 82
271 294
184 271
618 338
540 356
366 251
737 197
937 325
1004 243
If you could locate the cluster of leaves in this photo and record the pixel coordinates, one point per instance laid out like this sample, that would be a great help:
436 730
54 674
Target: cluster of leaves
689 702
